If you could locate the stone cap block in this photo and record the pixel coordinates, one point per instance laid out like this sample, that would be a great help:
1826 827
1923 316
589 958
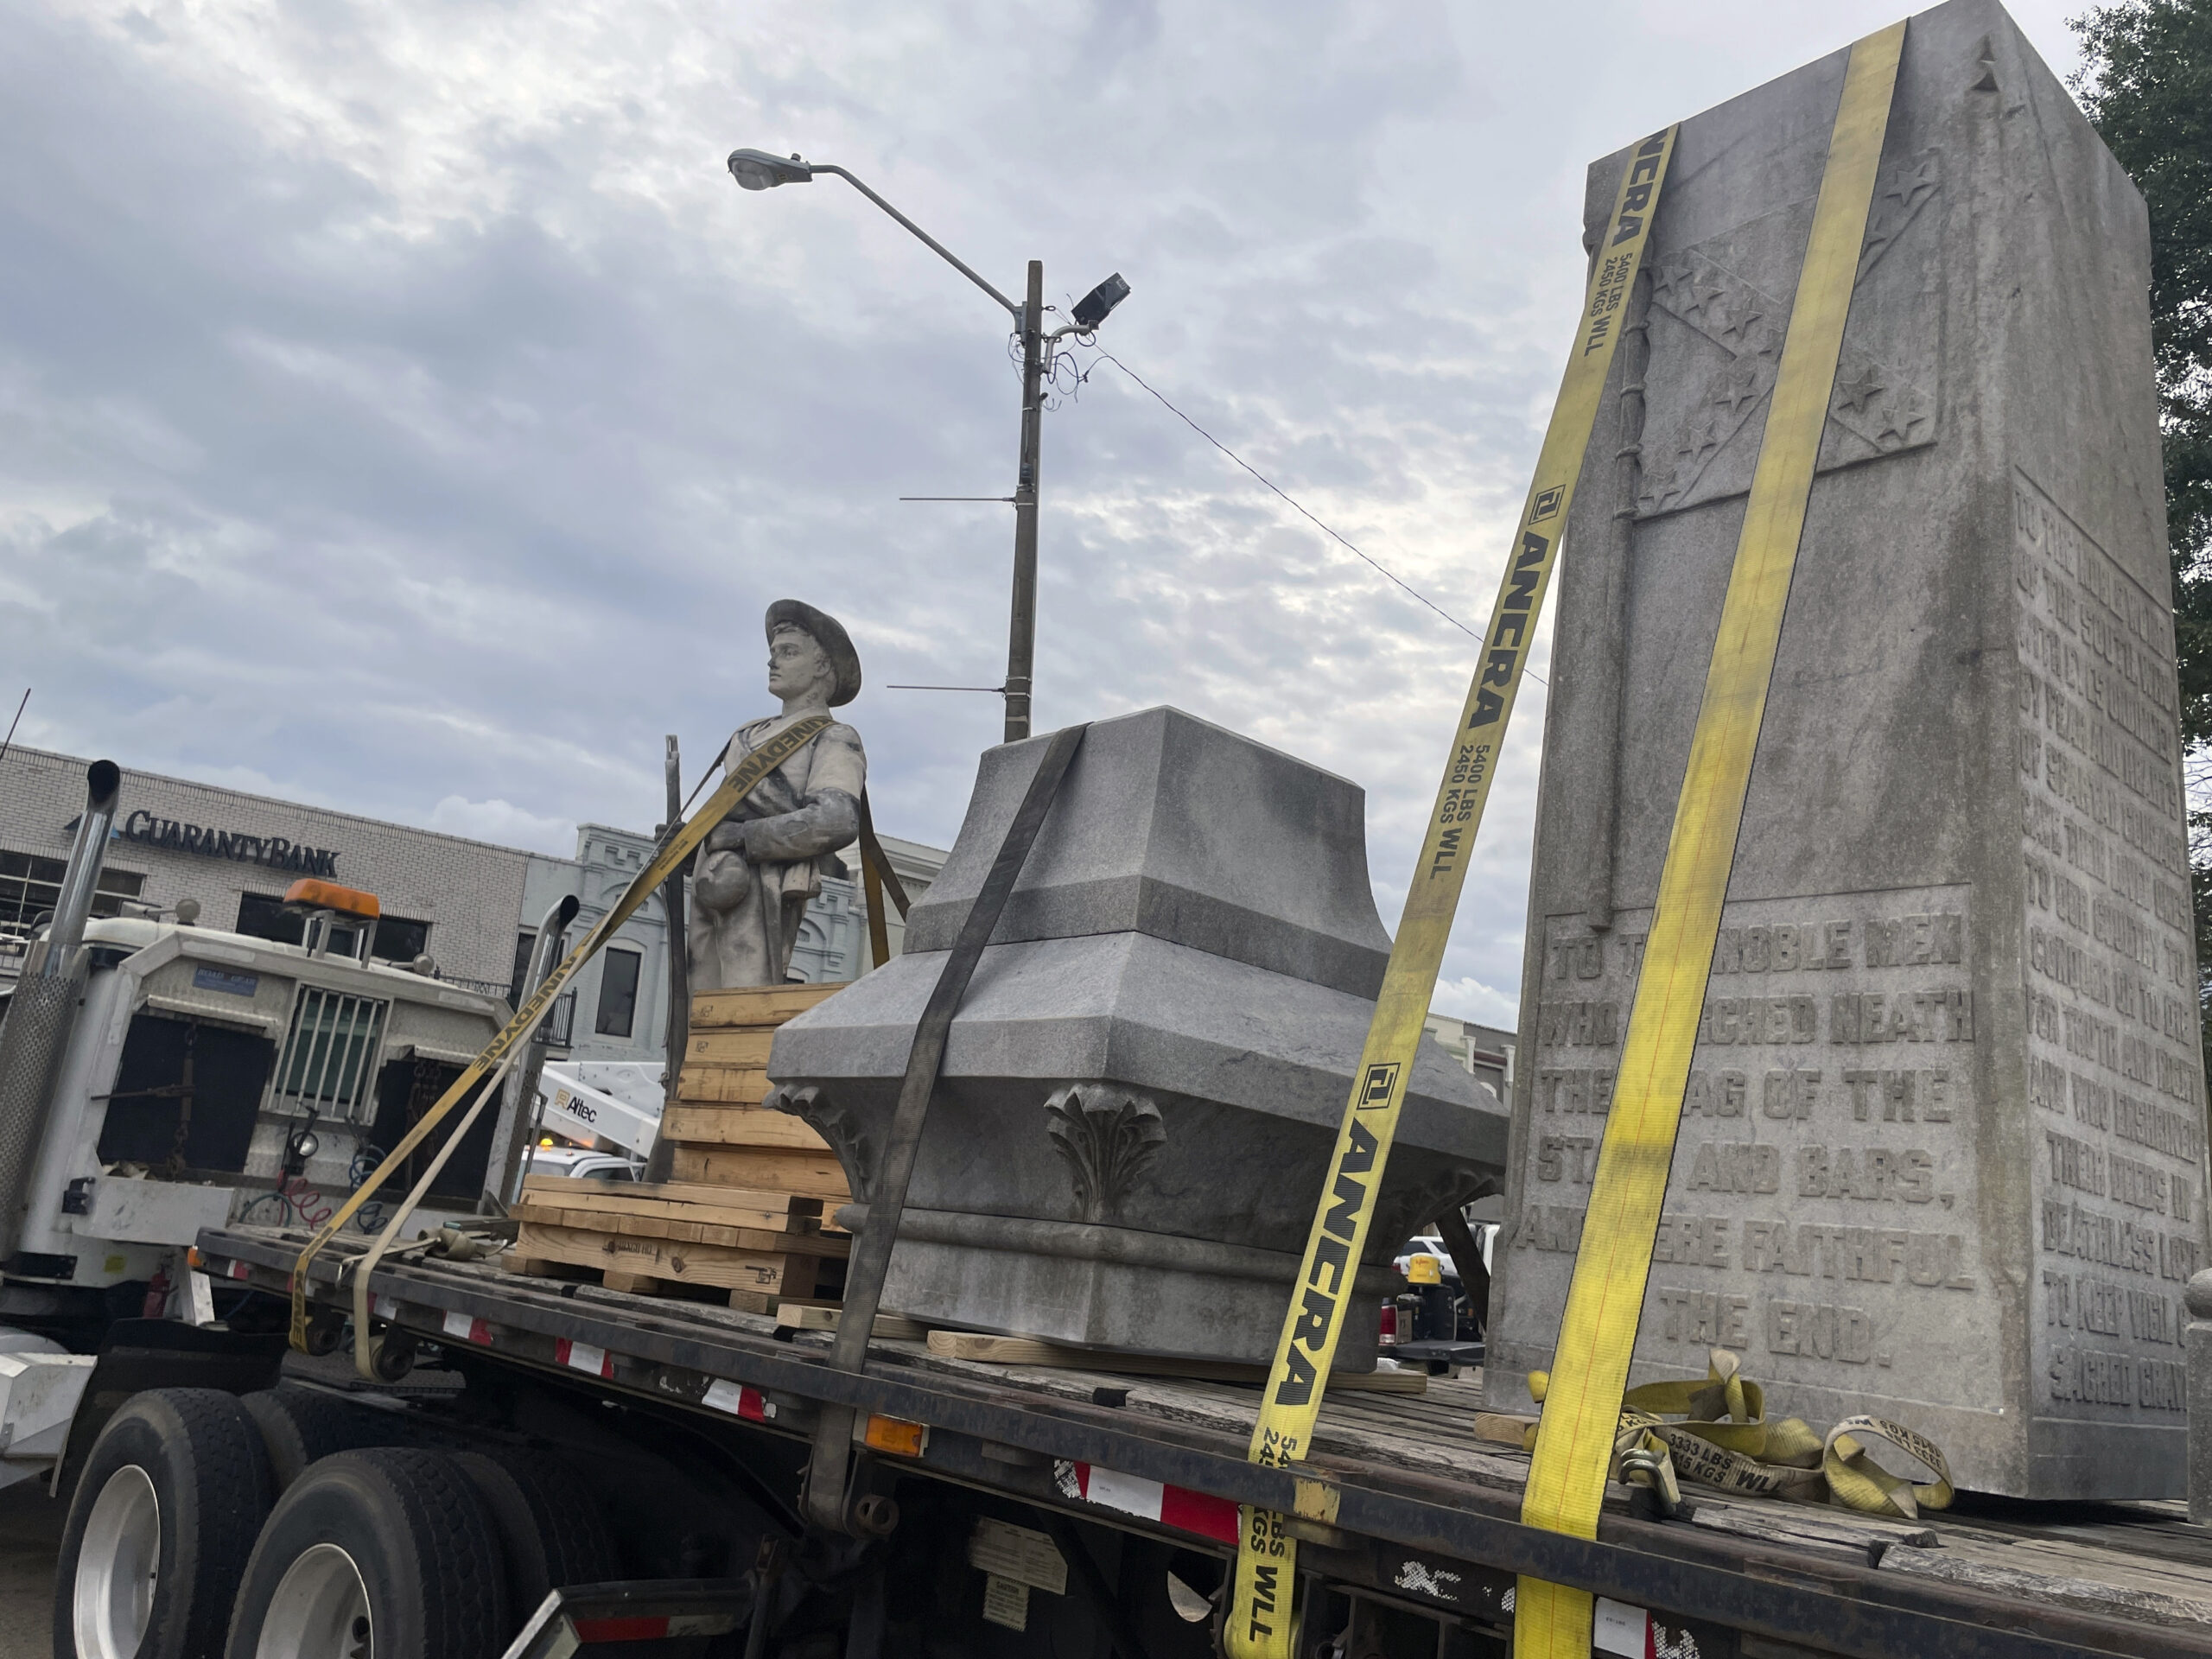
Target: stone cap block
1171 826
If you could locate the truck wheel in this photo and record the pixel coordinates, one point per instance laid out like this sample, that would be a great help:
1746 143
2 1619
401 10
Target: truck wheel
383 1553
300 1426
550 1524
160 1528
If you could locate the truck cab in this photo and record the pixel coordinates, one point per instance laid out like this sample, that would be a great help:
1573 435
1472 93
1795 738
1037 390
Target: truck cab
209 1076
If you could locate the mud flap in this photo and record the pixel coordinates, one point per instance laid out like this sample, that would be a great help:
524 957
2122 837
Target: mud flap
141 1354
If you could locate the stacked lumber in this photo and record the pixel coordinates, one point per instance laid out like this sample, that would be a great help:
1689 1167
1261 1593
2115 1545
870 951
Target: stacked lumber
762 1250
722 1134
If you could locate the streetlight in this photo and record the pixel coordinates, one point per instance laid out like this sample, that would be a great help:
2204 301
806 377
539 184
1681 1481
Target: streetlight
756 169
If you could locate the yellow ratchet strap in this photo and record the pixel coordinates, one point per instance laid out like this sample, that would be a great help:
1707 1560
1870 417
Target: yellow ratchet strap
1589 1372
1259 1617
735 787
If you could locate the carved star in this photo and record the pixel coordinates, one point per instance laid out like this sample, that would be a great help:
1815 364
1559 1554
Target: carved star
1742 387
1855 392
1735 323
1664 484
1673 286
1702 294
1704 441
1908 187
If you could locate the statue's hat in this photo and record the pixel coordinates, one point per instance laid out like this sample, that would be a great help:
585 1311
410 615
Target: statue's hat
829 634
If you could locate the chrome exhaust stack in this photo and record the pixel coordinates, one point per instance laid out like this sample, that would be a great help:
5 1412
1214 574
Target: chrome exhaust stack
516 1126
44 1008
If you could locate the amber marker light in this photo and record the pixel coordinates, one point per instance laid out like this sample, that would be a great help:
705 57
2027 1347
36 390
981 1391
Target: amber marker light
896 1435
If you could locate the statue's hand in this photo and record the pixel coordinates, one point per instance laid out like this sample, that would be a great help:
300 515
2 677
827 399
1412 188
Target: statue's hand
722 881
727 836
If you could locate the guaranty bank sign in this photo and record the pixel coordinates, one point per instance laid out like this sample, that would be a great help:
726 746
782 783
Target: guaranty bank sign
273 852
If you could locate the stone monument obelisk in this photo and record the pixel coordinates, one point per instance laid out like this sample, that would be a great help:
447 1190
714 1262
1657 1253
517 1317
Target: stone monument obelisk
1942 1152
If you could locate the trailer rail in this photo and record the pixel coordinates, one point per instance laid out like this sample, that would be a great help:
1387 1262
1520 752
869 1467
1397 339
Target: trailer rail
1401 1500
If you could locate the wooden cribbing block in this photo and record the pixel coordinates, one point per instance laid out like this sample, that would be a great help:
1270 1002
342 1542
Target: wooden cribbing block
722 1085
739 1126
757 1005
672 1260
1504 1429
689 1232
753 1301
732 1206
1030 1351
728 1048
809 1316
763 1168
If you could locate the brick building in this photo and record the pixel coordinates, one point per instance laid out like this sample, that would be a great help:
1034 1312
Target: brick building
471 906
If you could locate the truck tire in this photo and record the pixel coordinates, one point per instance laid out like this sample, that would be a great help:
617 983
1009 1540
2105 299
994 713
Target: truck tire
300 1426
384 1553
550 1524
160 1528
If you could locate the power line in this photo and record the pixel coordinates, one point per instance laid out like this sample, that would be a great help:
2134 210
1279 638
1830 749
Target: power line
1296 505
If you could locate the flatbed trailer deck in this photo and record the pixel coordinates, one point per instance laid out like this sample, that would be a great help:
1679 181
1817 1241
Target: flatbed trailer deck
1425 1517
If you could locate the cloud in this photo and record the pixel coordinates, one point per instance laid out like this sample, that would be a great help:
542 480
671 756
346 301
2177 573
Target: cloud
1468 998
401 402
504 824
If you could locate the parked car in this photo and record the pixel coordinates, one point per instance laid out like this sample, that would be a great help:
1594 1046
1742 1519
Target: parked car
580 1163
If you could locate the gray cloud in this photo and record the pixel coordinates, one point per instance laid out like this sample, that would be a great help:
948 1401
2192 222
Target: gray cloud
399 408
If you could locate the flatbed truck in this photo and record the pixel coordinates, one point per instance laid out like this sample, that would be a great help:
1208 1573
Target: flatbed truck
538 1466
1132 1482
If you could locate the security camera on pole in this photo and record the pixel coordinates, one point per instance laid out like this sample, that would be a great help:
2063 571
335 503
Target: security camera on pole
756 169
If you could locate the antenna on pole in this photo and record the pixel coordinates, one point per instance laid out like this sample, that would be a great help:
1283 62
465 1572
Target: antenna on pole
6 741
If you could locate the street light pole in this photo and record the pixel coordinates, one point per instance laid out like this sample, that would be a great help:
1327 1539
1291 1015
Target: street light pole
756 169
1022 630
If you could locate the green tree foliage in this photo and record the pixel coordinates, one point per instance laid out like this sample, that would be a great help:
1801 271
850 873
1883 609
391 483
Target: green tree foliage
2146 82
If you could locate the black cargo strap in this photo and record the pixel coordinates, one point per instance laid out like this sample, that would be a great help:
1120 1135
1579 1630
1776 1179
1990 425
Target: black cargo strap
886 1200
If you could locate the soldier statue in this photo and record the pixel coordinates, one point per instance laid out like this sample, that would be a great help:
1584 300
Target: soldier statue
753 876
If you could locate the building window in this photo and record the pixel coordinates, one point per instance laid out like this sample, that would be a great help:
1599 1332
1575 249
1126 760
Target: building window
618 992
30 887
263 916
400 940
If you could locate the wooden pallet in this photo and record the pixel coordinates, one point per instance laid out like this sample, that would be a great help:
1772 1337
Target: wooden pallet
757 1249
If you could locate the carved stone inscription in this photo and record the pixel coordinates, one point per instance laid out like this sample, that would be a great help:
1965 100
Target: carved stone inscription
2113 1077
1820 1214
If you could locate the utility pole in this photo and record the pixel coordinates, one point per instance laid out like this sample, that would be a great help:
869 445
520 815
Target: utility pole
1021 633
756 169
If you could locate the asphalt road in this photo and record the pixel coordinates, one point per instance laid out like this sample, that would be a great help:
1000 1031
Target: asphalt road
30 1533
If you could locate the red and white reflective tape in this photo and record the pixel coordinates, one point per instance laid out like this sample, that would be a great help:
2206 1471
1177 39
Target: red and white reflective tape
739 1400
240 1270
1150 1500
385 1307
468 1329
583 1357
652 1627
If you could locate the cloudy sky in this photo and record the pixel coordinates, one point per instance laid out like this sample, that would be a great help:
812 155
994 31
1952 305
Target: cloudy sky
401 411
